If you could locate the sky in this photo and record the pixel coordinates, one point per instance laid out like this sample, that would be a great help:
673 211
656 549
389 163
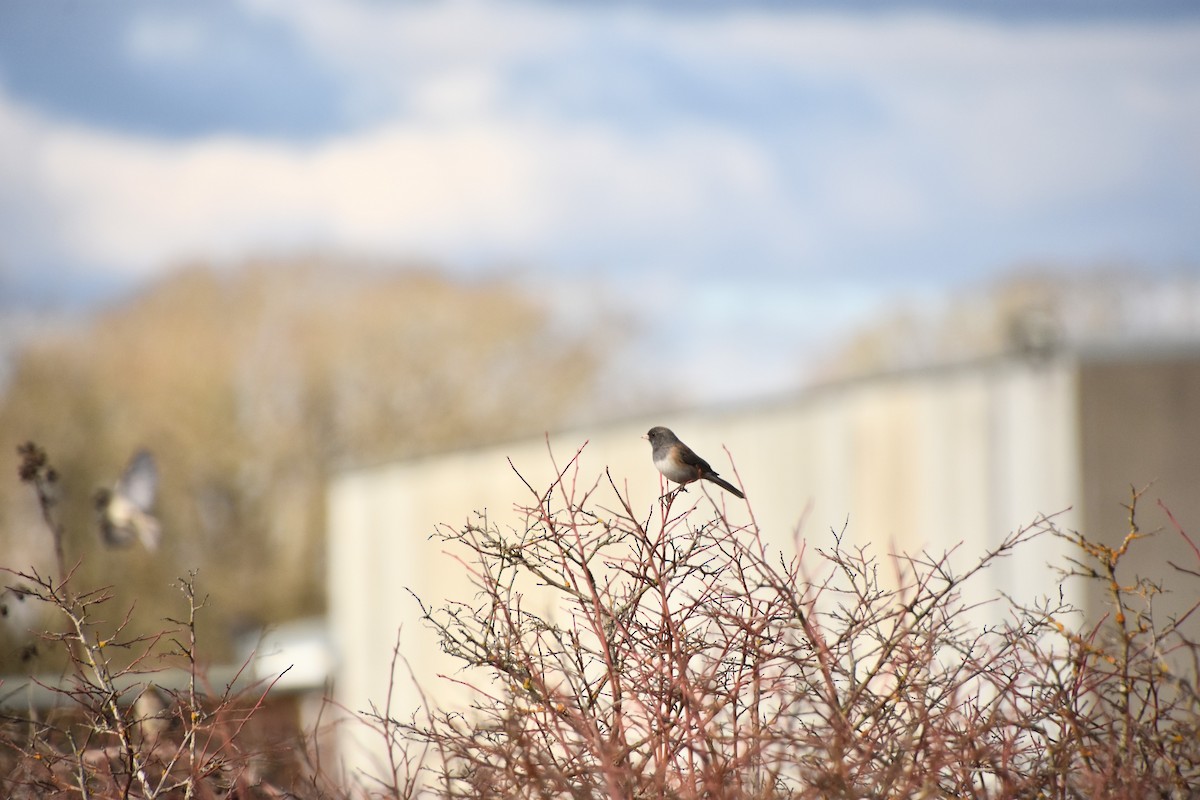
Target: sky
742 182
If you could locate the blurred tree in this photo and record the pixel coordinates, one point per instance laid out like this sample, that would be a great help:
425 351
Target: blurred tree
250 385
1031 310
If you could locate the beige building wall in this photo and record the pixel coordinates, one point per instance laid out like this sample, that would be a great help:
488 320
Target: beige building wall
925 460
1139 419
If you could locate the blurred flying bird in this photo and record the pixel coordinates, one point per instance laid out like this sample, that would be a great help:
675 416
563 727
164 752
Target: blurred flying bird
677 462
19 618
124 511
152 715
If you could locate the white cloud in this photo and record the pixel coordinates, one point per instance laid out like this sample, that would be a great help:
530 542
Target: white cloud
1007 117
896 122
635 137
495 187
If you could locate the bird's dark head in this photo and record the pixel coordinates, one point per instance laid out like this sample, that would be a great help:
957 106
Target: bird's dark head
660 435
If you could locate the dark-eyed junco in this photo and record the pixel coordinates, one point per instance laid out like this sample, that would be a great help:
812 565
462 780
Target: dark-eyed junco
124 511
676 461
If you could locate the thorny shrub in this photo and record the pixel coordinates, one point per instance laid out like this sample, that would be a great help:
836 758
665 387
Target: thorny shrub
133 715
682 658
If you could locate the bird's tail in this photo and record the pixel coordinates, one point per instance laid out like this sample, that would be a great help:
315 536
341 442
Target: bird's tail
724 484
149 531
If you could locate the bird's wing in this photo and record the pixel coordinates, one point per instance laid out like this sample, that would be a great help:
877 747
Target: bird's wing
689 457
140 481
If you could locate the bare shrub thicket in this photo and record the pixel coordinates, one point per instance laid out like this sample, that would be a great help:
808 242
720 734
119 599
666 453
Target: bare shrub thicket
683 658
663 653
132 715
